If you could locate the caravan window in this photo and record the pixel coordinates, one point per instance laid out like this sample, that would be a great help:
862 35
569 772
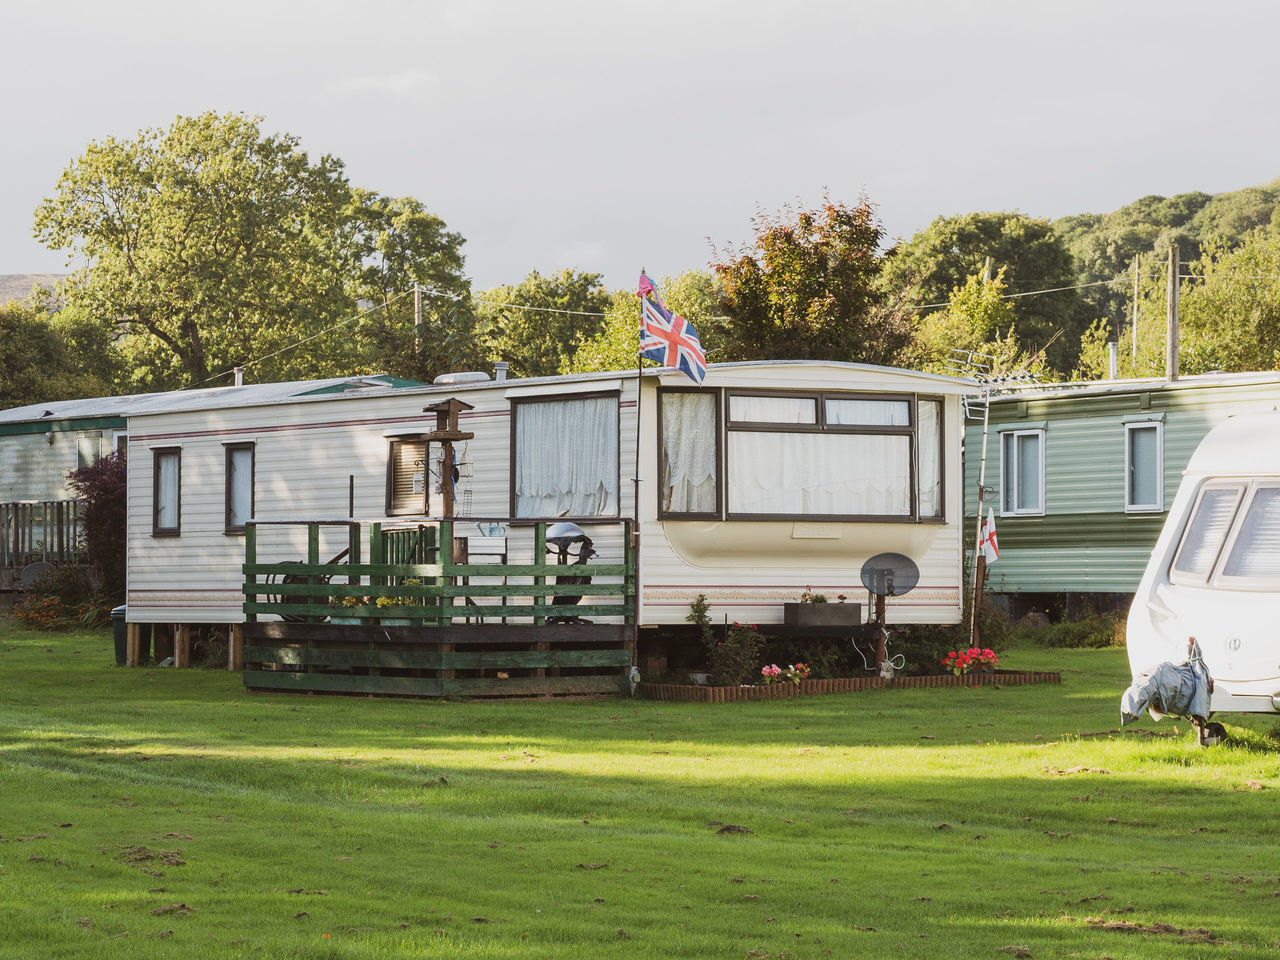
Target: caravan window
565 460
406 477
690 454
239 486
1255 552
1022 472
166 492
1202 541
839 456
1144 472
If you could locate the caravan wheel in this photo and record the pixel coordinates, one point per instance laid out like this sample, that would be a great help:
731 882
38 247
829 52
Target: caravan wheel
1211 734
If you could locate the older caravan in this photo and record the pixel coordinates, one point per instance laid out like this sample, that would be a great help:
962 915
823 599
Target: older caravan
767 479
1214 573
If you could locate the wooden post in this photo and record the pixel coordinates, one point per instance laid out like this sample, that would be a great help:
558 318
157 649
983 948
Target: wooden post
979 578
235 647
133 643
182 646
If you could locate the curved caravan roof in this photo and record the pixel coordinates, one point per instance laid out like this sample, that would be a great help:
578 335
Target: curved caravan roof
1248 444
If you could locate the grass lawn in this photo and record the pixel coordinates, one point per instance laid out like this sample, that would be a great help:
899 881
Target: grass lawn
161 813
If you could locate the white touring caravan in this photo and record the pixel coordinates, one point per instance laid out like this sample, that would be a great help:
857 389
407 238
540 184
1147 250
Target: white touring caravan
1214 573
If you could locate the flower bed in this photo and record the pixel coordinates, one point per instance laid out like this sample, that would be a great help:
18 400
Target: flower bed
805 688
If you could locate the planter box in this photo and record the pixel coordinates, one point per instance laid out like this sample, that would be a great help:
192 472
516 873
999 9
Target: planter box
806 688
822 614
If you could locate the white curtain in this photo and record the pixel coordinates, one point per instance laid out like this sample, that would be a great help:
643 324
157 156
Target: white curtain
689 452
929 441
567 458
814 473
761 409
869 413
240 486
167 490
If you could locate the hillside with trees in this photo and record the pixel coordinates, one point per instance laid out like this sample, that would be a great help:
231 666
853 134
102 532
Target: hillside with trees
214 244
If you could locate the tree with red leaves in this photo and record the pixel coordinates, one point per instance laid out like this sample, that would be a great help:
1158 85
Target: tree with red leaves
100 488
807 289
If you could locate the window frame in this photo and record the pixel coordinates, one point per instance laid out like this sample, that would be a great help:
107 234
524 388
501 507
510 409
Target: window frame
1129 429
909 431
157 454
520 401
83 437
229 451
718 403
1007 470
390 508
1216 578
941 401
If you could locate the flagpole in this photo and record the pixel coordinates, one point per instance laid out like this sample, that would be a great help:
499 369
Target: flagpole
635 496
979 558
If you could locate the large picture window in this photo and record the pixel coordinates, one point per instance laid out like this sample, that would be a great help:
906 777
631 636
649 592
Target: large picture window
239 486
1022 472
565 461
166 492
792 454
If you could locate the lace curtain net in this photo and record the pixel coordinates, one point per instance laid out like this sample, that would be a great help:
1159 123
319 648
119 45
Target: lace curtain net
805 473
567 458
689 453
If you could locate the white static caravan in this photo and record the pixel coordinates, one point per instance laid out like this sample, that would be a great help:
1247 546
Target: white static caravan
767 479
1214 573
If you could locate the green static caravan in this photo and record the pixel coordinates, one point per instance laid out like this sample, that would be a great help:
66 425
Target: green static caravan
765 480
1081 476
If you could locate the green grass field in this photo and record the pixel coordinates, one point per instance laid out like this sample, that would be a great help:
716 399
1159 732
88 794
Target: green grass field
160 813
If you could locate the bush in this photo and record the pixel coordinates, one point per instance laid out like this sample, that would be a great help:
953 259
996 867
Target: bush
1095 631
736 659
100 488
924 647
62 598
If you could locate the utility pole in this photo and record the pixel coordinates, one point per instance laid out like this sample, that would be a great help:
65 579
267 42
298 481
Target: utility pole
1171 340
1137 260
417 318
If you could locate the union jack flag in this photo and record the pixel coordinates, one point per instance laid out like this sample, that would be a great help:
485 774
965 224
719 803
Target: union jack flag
668 338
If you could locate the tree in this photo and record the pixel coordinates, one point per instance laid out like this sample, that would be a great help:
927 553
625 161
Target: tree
807 288
537 324
212 245
37 363
971 323
694 294
101 489
940 258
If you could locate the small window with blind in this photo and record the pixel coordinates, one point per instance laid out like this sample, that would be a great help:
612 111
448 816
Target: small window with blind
1143 467
1253 556
1206 533
406 477
1022 473
239 486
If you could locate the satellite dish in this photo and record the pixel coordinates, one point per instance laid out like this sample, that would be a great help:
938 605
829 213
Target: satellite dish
890 574
33 572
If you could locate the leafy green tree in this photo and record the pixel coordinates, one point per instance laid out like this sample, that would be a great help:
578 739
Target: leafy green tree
1229 318
37 363
807 288
537 325
694 294
971 324
212 245
940 258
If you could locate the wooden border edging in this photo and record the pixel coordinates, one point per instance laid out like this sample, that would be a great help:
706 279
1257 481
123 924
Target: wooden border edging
690 693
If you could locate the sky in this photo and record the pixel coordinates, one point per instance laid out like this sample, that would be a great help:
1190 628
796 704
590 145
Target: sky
609 136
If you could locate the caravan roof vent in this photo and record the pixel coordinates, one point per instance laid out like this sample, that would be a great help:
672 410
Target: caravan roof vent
465 376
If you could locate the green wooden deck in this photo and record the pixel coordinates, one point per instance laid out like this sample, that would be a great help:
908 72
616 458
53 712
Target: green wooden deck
431 627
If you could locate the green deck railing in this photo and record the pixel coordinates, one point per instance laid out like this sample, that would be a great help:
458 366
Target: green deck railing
408 582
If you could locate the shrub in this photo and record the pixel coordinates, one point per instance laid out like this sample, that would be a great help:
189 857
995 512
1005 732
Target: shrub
100 488
736 659
1096 630
63 597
